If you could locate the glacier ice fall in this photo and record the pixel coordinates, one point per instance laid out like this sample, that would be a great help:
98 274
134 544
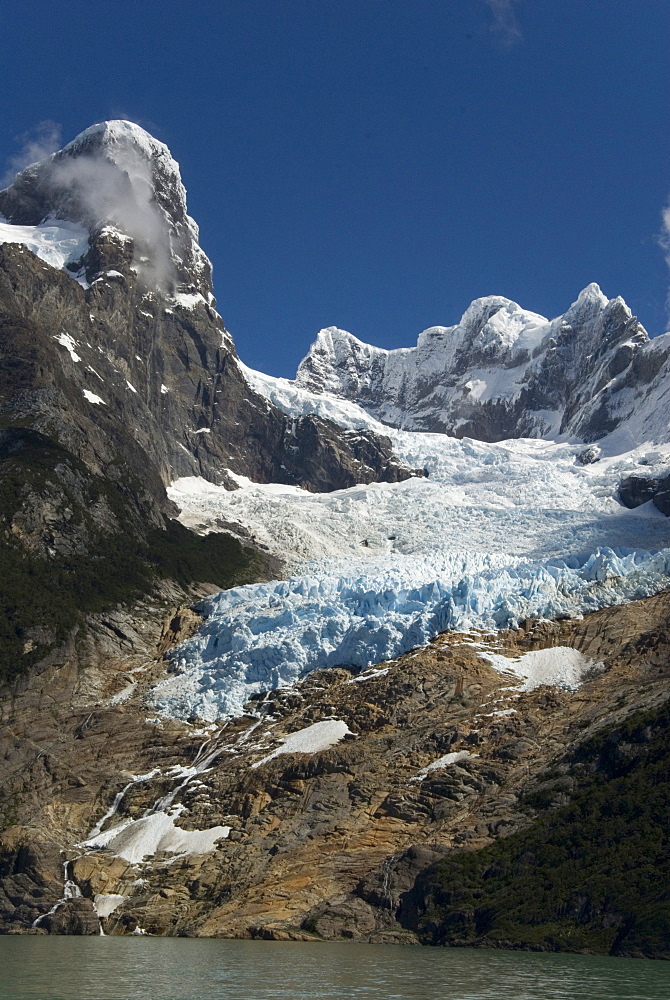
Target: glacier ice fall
494 534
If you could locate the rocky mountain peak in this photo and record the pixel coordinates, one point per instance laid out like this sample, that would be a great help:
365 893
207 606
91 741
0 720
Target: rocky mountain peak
125 188
136 369
502 371
588 303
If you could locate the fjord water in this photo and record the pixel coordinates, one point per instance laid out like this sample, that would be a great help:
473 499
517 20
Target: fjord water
69 968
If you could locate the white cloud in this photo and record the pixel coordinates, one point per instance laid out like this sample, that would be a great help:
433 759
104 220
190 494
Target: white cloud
120 191
38 142
665 239
504 24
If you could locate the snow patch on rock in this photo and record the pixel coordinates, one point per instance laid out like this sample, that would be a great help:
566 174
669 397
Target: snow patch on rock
558 666
136 839
312 739
92 398
66 341
446 761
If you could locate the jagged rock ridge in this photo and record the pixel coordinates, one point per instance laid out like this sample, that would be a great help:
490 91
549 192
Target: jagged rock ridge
504 372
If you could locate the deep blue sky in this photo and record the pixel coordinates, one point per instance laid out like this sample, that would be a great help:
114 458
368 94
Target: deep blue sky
377 164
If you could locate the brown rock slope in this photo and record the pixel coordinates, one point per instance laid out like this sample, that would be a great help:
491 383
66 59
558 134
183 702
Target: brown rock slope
300 845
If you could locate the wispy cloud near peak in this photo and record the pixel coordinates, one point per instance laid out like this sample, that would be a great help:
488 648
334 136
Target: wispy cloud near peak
665 240
38 142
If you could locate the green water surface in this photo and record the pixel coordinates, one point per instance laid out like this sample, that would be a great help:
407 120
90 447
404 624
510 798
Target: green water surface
70 968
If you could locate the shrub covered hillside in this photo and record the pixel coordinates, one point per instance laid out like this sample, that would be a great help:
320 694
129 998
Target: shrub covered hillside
591 876
72 543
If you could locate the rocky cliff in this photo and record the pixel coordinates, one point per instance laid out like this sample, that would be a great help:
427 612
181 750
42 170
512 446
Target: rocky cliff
442 798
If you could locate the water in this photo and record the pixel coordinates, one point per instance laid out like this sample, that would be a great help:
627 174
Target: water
66 968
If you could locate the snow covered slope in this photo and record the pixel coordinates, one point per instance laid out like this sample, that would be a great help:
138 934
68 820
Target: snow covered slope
496 533
57 243
502 372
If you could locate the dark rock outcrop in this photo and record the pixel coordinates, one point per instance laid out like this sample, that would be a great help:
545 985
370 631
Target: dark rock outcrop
74 917
636 490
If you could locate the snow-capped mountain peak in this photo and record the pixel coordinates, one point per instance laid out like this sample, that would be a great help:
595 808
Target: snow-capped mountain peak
501 372
116 179
588 303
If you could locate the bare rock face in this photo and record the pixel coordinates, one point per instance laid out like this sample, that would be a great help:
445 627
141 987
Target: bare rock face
75 916
131 364
444 758
352 919
31 877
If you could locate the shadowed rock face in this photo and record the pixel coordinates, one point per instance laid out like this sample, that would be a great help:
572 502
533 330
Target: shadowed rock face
636 490
155 387
136 367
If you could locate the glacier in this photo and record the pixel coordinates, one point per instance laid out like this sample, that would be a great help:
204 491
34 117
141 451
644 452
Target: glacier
265 636
494 534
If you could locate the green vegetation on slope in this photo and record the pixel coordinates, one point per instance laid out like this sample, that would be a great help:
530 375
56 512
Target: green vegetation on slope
72 543
592 876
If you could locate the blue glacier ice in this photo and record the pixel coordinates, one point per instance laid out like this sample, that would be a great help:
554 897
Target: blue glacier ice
268 635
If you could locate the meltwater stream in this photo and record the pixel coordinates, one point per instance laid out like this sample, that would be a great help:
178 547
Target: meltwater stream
51 968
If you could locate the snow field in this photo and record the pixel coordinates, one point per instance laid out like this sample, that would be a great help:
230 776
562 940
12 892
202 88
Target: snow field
558 666
56 242
526 497
319 736
494 534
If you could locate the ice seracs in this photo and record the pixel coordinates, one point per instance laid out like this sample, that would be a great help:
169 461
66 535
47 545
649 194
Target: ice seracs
495 533
269 635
